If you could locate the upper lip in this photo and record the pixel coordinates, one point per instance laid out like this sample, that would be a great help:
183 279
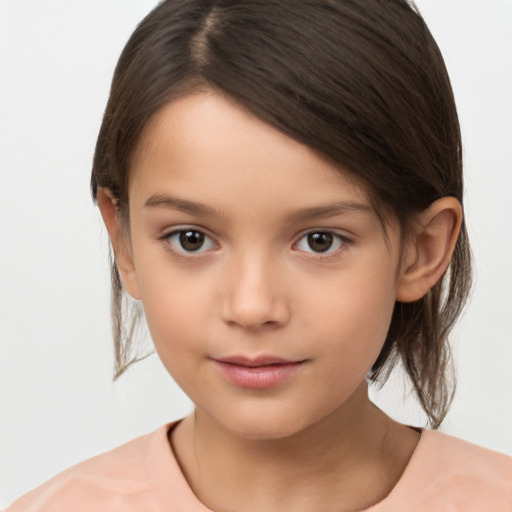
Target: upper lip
255 361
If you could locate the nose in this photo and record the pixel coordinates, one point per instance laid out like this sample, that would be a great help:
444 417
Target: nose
254 296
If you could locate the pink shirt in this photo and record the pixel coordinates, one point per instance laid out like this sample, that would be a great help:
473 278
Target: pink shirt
445 474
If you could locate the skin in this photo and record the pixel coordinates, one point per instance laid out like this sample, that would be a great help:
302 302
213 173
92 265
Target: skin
257 287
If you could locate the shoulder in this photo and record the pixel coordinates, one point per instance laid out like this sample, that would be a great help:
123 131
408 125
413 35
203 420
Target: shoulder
116 480
469 464
449 474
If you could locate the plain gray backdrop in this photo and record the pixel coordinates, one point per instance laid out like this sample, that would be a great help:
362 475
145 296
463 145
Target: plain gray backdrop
57 401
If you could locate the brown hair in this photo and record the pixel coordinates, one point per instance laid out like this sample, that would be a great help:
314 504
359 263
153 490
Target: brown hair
360 81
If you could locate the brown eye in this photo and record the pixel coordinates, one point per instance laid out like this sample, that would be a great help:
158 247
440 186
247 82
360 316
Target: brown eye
320 242
189 241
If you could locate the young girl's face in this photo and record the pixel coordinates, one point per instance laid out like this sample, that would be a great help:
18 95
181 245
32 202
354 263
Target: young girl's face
267 280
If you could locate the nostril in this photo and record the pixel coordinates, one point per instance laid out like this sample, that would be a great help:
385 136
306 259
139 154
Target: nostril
256 315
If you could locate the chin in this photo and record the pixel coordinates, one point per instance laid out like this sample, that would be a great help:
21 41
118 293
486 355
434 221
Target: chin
269 424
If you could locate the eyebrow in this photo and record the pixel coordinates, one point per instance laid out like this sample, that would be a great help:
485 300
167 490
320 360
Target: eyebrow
305 214
328 210
182 205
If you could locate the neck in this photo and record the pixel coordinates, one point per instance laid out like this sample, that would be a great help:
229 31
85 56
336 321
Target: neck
349 460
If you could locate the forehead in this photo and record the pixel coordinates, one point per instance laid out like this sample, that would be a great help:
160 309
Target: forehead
209 144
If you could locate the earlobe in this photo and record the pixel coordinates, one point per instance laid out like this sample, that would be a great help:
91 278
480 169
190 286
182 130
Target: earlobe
119 240
430 249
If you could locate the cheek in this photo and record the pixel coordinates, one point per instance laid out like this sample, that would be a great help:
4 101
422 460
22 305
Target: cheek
168 305
352 318
175 306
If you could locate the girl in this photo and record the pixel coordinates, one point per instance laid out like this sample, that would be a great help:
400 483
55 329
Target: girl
281 182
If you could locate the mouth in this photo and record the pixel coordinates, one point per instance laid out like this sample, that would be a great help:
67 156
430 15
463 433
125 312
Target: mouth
257 373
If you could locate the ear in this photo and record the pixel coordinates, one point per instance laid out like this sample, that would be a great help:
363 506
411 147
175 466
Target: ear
429 251
120 241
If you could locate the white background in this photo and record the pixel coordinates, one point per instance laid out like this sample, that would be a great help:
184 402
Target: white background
57 402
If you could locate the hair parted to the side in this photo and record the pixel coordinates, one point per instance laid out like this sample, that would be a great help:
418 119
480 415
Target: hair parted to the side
360 81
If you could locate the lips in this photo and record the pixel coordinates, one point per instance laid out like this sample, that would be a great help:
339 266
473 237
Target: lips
257 373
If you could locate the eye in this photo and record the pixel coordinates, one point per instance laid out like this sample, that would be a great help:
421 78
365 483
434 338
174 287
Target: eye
189 241
321 242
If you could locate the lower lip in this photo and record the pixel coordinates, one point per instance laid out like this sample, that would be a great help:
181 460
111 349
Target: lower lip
258 377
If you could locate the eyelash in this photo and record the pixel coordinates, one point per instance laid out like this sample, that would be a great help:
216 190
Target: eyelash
167 238
338 240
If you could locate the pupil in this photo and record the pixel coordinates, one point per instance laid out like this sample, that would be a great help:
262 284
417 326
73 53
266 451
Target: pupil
191 240
320 242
